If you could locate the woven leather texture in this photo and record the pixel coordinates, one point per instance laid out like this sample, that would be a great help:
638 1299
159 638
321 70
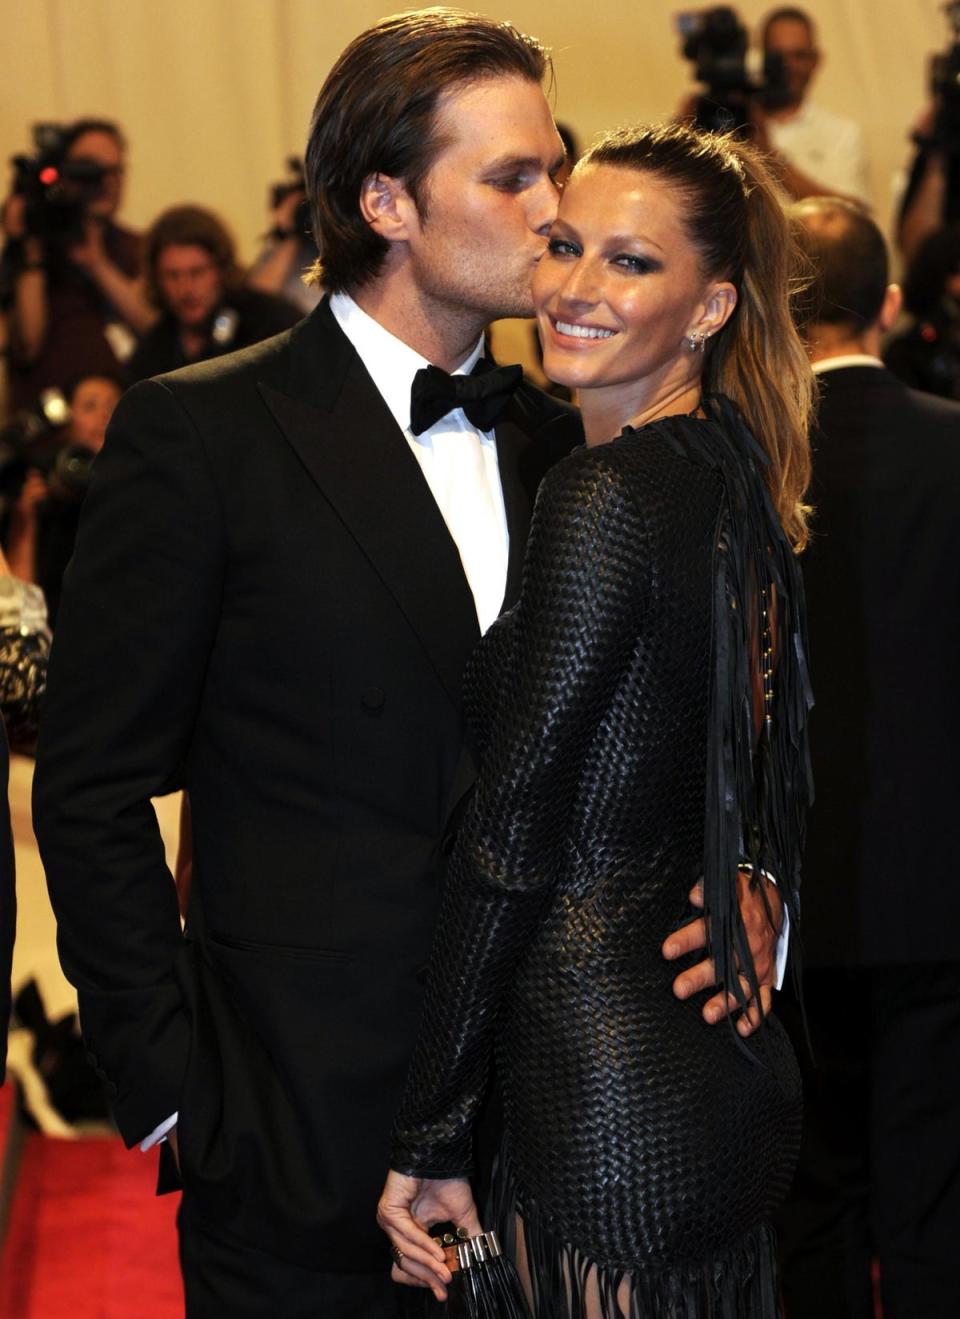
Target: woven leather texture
633 1130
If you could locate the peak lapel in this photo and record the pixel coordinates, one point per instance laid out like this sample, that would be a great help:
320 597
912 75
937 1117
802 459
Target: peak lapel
346 438
528 443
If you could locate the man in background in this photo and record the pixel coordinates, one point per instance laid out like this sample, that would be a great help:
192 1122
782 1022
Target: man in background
194 281
879 1172
817 151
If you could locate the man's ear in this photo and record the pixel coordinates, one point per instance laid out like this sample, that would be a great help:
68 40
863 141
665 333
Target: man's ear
892 302
387 207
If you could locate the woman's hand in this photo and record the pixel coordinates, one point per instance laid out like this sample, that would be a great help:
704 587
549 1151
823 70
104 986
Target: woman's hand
407 1206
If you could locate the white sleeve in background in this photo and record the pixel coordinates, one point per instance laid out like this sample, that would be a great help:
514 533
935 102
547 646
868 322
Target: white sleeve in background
160 1133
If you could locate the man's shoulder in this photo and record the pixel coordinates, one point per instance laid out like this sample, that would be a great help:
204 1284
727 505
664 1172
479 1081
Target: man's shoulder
874 400
258 307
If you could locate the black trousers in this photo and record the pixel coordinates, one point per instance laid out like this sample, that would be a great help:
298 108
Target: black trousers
226 1280
879 1169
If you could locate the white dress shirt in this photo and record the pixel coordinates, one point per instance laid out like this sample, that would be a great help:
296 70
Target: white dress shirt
826 146
459 462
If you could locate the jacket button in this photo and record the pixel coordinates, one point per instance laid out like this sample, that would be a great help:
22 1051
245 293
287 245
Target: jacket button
372 699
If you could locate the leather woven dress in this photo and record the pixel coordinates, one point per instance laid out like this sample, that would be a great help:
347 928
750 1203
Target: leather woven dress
643 1150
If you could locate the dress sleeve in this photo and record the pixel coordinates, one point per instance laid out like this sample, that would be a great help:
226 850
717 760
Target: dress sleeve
24 649
569 642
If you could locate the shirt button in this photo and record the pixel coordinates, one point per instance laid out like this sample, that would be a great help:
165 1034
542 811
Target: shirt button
372 699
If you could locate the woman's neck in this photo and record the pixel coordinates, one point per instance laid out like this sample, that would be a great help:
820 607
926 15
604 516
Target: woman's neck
605 415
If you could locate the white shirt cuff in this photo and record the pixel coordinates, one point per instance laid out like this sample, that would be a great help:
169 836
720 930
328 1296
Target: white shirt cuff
783 948
159 1133
783 939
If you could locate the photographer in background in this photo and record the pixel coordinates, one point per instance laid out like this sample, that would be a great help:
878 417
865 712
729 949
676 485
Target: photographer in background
74 299
205 309
44 517
817 152
932 196
289 250
926 355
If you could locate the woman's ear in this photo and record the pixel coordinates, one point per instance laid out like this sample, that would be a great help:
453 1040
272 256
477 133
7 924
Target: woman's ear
717 309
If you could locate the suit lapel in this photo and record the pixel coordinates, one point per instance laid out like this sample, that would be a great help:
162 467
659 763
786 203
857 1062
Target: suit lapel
511 441
342 431
529 441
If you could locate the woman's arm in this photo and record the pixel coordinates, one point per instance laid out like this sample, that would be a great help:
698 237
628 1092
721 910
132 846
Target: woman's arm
573 633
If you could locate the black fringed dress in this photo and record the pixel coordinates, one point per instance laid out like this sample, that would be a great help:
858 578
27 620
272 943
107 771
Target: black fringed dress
643 1150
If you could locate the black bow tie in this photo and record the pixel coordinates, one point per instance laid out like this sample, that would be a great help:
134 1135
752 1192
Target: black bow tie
482 395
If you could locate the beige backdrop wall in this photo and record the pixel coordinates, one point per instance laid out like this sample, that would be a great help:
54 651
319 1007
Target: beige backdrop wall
214 94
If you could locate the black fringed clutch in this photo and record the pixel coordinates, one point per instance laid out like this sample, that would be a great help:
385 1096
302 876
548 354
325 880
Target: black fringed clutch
485 1284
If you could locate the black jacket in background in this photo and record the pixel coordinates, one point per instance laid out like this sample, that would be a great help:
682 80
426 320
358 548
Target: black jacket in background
259 315
882 574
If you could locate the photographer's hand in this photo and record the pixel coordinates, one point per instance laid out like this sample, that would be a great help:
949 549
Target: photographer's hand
924 212
275 266
127 296
90 254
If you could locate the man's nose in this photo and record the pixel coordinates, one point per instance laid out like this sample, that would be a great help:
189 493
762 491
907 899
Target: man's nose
545 204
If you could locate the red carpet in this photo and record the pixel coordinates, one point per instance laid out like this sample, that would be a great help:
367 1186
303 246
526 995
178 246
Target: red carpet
87 1238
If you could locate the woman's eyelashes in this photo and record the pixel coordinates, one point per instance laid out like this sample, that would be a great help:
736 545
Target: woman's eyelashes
634 264
630 262
563 247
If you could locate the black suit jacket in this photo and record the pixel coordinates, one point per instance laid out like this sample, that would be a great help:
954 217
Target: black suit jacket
883 593
265 607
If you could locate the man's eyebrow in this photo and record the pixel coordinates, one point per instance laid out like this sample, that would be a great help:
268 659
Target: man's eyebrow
518 163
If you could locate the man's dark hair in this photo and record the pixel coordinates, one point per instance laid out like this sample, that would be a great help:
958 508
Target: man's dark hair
80 127
787 13
71 386
190 226
847 263
377 113
935 260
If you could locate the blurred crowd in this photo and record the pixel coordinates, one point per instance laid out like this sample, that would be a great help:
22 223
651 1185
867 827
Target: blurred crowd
89 306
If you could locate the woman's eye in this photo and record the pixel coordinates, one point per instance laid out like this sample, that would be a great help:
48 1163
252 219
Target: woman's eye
562 247
636 265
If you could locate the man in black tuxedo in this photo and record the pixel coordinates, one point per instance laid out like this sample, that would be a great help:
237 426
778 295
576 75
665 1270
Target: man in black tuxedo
879 1168
283 564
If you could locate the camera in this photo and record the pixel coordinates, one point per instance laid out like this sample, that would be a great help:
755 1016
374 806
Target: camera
945 88
296 183
33 441
57 191
717 44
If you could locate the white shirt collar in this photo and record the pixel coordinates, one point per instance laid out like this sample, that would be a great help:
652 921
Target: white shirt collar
391 363
849 359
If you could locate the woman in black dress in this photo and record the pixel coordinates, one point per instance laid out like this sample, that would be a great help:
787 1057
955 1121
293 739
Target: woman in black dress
640 717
